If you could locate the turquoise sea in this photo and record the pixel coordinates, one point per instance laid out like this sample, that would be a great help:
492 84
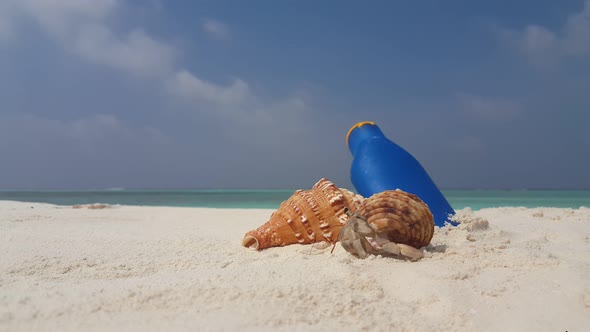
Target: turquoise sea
270 199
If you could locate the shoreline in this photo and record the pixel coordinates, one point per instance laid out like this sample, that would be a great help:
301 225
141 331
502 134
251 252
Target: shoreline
249 199
153 268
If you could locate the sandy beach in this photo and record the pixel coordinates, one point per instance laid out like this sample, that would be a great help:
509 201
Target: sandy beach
155 268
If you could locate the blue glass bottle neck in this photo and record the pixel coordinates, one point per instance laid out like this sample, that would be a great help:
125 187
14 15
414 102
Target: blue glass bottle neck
361 134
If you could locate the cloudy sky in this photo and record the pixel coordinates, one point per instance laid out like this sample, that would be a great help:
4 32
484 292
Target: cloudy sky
260 94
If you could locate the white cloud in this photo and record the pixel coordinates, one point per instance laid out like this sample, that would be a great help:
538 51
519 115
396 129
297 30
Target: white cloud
82 27
244 113
488 108
542 46
216 28
60 17
538 39
136 52
86 28
188 86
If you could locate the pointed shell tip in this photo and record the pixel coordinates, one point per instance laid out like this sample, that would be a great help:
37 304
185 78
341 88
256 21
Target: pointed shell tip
250 242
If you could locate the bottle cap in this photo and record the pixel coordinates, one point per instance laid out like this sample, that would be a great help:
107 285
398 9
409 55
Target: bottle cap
358 125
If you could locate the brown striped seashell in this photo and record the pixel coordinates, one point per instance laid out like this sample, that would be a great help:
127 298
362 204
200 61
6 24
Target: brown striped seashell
400 217
308 216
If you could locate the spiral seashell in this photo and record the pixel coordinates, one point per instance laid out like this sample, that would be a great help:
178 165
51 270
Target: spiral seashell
308 216
400 217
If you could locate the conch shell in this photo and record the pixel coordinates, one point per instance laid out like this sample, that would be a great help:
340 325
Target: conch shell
399 217
308 216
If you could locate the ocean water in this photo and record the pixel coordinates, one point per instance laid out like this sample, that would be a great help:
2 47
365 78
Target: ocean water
270 199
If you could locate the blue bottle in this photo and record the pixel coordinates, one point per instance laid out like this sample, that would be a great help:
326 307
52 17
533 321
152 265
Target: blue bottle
379 165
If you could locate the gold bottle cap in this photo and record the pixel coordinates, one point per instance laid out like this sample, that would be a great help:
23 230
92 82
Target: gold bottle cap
358 125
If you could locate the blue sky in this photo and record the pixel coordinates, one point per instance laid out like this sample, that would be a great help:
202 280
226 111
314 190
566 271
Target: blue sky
260 94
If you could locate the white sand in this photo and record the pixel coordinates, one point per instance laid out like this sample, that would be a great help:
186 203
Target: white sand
147 269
